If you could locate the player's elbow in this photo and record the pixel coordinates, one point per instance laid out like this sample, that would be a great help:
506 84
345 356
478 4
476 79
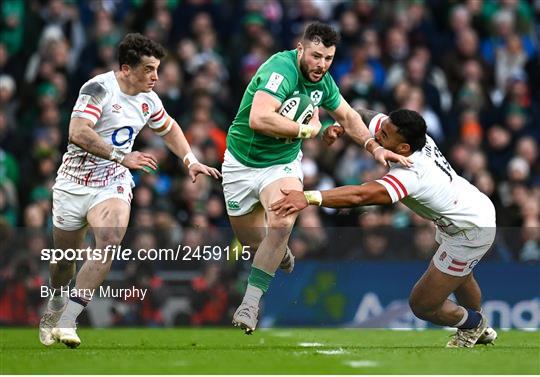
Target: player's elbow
255 121
77 129
74 134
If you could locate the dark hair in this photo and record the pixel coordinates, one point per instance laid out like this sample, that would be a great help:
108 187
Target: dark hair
134 46
319 32
411 126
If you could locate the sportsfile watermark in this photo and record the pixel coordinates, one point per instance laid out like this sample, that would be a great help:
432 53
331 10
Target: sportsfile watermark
181 253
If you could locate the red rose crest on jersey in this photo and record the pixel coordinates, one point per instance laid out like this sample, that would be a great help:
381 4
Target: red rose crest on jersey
442 256
120 189
145 109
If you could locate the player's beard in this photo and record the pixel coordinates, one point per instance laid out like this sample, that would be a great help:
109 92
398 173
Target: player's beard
305 70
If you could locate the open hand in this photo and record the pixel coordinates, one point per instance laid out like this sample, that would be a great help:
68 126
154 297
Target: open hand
293 201
383 155
140 160
198 168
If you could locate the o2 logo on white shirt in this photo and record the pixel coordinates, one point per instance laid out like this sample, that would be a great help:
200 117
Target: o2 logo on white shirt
123 135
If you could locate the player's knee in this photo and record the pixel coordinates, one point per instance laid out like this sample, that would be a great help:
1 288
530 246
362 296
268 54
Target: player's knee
279 231
112 236
420 307
281 223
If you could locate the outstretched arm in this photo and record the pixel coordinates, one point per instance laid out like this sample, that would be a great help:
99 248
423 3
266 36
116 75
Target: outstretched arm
340 197
177 143
367 115
354 124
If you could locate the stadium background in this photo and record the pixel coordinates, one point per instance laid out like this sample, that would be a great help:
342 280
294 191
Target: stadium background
470 67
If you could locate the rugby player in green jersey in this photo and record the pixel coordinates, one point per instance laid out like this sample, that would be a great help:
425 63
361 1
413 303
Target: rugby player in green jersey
263 154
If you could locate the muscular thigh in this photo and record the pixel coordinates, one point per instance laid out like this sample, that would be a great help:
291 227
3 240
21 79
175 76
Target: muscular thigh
435 286
250 229
68 239
272 193
109 220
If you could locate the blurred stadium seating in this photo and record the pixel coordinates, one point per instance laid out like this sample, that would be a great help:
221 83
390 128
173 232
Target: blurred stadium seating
472 68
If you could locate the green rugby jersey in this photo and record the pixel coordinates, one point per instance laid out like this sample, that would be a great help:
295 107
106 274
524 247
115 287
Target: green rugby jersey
281 77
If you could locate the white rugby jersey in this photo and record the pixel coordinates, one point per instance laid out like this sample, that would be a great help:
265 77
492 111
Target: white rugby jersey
117 118
433 190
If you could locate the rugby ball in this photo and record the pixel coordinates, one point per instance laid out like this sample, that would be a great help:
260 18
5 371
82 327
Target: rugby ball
297 107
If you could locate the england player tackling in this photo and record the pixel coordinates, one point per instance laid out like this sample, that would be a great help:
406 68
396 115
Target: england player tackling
93 186
465 220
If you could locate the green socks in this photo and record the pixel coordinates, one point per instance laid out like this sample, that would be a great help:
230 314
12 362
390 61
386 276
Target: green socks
260 279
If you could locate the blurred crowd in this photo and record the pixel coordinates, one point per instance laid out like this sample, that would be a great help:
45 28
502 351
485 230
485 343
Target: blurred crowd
471 68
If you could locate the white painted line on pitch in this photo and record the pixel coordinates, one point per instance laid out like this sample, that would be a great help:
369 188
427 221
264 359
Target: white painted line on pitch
361 363
310 344
338 351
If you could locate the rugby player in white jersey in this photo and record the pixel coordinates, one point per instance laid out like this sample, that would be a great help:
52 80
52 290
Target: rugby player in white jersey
465 220
93 185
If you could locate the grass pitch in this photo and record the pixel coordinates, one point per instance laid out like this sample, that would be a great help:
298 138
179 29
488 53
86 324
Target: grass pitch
276 351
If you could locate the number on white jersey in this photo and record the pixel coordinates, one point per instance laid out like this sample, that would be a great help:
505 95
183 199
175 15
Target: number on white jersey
439 160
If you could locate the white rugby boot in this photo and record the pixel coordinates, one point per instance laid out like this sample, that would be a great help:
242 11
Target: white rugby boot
67 335
467 337
47 323
245 317
488 336
287 263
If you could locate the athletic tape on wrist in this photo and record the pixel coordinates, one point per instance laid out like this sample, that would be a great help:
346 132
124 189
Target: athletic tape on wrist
305 131
367 141
117 155
313 197
191 159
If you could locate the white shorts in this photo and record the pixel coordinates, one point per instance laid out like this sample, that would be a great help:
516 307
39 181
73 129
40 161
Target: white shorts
72 201
458 254
242 185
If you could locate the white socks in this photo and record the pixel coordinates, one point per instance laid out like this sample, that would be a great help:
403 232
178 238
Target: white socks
57 303
464 318
69 316
253 295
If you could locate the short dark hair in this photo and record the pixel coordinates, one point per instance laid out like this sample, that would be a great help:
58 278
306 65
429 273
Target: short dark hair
317 31
134 46
411 126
